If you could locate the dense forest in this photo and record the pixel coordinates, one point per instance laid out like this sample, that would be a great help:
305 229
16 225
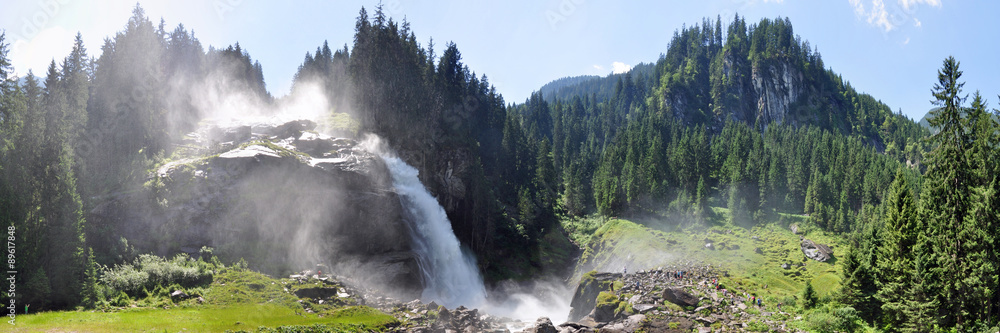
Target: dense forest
745 117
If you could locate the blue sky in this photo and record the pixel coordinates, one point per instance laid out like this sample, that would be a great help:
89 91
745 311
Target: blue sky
890 49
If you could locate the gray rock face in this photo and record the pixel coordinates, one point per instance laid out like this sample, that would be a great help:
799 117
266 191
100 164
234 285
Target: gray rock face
279 196
585 297
814 251
777 87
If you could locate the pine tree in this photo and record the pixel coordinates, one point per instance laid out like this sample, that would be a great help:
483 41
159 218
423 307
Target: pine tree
895 262
946 202
809 298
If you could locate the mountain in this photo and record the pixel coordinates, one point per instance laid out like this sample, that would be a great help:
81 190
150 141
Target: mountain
592 85
926 123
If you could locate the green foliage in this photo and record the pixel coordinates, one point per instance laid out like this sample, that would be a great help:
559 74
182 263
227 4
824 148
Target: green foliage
809 298
757 326
929 248
149 272
834 319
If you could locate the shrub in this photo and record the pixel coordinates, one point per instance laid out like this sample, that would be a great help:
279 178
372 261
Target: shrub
829 319
150 275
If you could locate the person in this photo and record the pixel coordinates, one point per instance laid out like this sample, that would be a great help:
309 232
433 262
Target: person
26 308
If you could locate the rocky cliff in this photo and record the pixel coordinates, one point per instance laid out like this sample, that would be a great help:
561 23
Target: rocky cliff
277 194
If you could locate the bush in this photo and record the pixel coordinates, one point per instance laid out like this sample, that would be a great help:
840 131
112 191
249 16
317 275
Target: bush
829 319
149 275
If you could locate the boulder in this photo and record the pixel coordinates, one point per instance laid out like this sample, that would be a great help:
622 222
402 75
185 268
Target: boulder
314 144
795 228
605 312
286 130
680 297
543 325
317 293
178 294
814 251
585 297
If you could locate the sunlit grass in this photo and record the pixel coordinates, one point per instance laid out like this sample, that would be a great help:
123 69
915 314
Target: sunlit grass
236 300
197 319
752 257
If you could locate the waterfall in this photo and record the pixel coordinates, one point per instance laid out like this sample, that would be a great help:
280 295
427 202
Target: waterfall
450 274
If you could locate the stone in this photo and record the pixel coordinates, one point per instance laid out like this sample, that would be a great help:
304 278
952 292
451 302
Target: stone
543 325
814 251
317 293
605 312
680 297
585 297
179 294
786 266
643 308
795 228
709 246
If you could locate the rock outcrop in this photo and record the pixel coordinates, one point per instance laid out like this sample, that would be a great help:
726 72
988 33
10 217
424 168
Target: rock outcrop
815 251
277 194
777 86
585 297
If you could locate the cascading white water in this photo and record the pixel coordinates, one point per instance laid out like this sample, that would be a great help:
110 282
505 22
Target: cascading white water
450 273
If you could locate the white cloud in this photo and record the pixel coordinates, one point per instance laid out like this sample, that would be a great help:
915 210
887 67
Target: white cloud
908 3
876 14
619 67
35 54
599 67
907 41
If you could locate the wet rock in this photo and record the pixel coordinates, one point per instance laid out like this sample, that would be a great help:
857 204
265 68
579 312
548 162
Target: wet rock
585 297
542 325
314 144
286 130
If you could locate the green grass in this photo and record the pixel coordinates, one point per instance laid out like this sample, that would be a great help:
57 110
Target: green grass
197 319
237 299
618 243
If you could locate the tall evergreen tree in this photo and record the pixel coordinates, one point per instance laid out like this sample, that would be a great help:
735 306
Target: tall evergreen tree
895 263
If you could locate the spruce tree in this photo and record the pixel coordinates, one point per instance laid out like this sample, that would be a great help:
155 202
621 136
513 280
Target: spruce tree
895 262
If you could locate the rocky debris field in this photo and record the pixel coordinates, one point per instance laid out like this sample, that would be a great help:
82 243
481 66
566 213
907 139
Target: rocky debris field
676 298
